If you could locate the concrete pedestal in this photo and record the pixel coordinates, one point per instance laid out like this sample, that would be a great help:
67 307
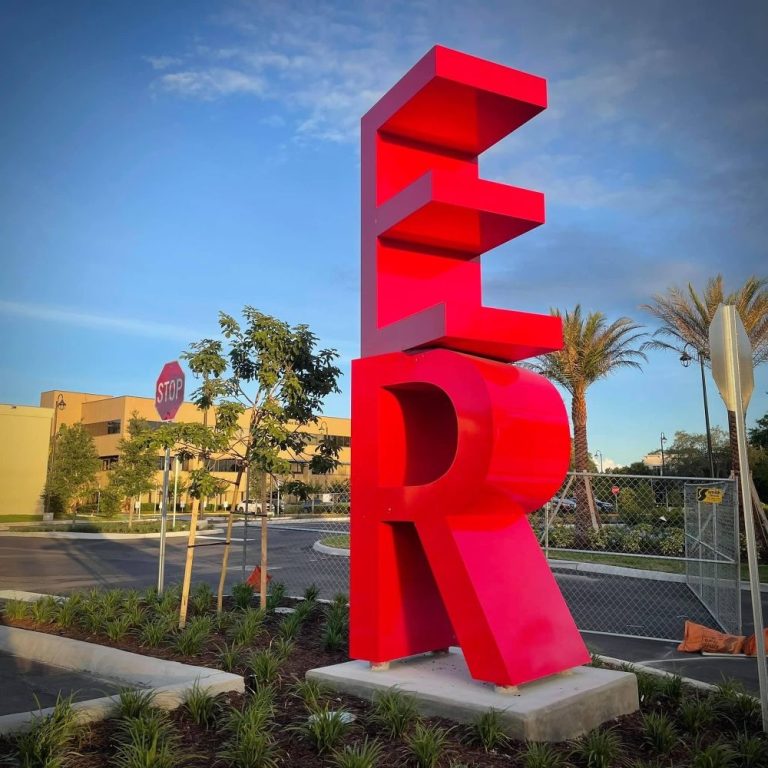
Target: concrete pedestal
556 708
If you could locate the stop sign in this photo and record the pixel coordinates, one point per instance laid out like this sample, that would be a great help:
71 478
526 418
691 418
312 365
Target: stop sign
615 490
169 390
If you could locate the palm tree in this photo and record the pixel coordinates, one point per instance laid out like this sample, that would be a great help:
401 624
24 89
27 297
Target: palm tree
592 350
685 318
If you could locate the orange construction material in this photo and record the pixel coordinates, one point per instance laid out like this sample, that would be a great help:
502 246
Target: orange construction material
698 638
750 644
255 578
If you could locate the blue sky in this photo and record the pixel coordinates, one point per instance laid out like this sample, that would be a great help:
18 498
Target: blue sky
163 161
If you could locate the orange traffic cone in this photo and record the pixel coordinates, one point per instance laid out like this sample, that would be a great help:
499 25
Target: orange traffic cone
255 578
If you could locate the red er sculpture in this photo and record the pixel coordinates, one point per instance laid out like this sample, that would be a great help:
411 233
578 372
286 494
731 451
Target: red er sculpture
453 446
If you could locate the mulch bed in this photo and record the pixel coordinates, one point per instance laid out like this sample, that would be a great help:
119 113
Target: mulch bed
97 747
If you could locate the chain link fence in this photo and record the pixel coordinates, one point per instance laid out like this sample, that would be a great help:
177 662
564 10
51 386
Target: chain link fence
634 555
308 544
639 555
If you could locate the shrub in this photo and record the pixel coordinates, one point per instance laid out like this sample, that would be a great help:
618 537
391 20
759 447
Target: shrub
117 628
153 633
736 707
248 628
48 743
637 539
135 702
542 755
716 755
256 715
311 593
44 610
16 610
325 728
311 692
649 687
334 638
242 594
201 599
364 754
275 596
201 706
191 641
488 731
250 748
426 744
265 667
229 656
289 626
659 733
281 648
598 539
394 712
562 536
148 742
750 751
599 748
696 714
672 542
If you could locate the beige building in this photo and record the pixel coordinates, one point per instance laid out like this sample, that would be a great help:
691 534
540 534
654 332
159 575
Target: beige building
24 440
106 419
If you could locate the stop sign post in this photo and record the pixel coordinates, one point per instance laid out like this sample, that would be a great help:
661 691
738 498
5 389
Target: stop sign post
169 395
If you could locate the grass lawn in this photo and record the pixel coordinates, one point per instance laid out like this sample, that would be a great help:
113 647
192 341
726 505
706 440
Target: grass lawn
643 563
20 518
341 540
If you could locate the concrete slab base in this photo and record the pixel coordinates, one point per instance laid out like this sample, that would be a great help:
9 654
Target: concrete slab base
170 680
556 708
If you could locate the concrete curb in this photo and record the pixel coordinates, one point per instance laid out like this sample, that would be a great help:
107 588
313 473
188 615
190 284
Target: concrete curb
700 684
106 536
169 679
326 550
572 565
614 570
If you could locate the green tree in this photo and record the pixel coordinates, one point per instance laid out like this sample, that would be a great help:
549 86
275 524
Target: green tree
758 435
274 375
593 349
74 465
685 317
687 455
134 474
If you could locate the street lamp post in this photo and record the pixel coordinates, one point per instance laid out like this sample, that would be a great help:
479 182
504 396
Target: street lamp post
686 359
59 405
600 454
662 440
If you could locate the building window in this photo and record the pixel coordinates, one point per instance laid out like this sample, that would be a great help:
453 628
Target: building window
225 465
297 467
101 428
108 462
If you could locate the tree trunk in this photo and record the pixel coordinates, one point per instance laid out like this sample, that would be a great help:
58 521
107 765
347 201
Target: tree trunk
586 513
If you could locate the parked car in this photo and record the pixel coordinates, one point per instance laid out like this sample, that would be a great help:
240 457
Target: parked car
567 502
605 506
253 507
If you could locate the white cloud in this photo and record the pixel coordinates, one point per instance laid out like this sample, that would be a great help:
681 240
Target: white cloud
212 83
128 325
162 62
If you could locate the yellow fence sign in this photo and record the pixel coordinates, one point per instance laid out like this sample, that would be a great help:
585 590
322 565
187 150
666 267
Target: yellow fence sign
710 495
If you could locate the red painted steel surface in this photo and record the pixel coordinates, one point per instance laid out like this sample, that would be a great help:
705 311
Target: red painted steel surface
453 446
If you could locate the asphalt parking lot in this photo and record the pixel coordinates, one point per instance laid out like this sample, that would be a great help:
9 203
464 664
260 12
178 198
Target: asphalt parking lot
59 566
